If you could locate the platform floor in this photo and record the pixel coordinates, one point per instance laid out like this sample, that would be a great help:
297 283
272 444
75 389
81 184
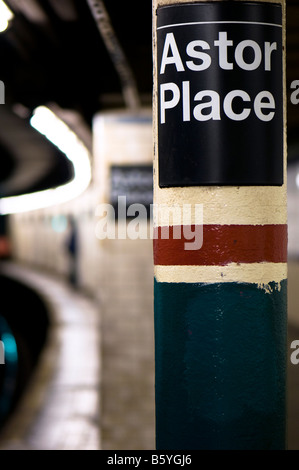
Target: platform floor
85 394
60 409
63 407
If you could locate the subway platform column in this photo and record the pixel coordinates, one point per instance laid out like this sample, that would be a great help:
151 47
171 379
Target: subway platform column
220 233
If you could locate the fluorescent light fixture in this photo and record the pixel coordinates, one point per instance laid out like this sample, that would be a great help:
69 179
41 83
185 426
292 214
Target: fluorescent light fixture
56 131
6 15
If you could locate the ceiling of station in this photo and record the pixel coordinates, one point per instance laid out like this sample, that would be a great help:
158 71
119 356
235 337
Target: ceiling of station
53 53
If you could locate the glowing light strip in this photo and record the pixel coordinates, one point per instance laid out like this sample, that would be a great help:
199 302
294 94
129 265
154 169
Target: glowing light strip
6 15
56 131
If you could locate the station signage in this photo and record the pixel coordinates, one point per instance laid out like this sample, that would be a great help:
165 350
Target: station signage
220 94
134 182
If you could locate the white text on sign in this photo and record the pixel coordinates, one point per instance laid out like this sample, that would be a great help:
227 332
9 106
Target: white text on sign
209 104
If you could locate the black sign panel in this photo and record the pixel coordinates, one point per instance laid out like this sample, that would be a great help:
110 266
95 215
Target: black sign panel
135 182
220 94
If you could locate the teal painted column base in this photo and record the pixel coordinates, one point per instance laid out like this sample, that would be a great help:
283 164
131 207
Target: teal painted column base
220 366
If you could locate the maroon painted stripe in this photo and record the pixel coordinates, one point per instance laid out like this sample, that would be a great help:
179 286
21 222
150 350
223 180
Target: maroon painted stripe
224 244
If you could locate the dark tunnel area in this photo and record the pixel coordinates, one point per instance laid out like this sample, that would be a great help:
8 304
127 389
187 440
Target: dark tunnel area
24 323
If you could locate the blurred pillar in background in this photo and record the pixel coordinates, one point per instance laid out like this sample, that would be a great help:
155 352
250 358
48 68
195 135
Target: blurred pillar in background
124 175
220 245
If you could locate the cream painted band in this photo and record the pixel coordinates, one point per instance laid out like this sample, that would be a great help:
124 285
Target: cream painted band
223 205
234 205
255 273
